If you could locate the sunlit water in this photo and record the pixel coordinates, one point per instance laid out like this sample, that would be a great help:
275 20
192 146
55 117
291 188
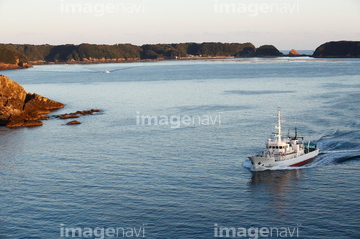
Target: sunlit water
184 180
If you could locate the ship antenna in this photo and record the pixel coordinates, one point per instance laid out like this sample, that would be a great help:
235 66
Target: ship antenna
295 133
279 125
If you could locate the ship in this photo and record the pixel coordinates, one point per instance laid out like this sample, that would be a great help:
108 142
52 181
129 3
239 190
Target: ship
284 151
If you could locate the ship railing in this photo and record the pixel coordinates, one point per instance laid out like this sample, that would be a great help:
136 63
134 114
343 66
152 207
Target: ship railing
285 157
264 154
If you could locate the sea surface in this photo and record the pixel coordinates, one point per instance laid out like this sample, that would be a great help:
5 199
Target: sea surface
184 174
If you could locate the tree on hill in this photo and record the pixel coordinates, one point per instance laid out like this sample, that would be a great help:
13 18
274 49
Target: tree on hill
10 56
159 51
86 51
267 50
246 52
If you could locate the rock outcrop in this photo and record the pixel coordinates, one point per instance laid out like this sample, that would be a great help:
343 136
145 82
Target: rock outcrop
19 108
338 49
73 122
293 52
76 114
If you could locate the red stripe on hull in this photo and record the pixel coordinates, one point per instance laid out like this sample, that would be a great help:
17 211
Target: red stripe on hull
301 163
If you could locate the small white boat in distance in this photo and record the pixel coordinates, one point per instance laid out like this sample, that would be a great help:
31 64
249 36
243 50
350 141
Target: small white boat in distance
106 71
290 151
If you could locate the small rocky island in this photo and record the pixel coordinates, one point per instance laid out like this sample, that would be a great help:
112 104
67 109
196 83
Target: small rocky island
338 49
19 108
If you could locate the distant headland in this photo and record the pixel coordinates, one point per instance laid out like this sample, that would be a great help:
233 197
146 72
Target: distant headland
17 56
338 49
12 59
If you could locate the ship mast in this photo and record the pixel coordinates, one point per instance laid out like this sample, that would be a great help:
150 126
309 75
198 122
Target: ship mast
278 135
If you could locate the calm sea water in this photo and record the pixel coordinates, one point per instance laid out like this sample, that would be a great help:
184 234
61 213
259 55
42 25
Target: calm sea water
188 180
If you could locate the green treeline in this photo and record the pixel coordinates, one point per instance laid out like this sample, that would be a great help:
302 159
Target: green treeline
11 56
119 52
22 53
70 52
206 49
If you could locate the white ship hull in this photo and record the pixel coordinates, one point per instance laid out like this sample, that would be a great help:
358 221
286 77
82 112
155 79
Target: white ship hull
284 152
264 161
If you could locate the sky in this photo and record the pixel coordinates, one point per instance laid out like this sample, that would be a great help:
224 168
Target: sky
286 24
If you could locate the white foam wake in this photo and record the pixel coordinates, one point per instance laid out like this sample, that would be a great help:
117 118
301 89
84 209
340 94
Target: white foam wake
340 151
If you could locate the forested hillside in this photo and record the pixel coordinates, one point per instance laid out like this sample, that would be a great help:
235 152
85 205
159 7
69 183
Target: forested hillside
119 52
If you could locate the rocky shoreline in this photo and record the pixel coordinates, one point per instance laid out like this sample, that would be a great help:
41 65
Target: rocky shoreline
31 64
19 108
75 115
4 66
158 60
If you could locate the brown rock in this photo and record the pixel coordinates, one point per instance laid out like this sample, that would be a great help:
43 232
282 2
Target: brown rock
44 117
31 123
18 107
293 52
42 103
70 116
73 122
86 112
27 123
15 124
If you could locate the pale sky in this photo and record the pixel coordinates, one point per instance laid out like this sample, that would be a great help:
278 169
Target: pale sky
286 24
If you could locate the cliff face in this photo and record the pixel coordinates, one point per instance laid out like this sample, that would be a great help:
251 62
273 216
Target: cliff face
19 108
338 49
